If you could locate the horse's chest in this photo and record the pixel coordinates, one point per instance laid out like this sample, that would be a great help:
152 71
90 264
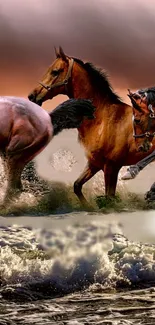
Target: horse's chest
91 136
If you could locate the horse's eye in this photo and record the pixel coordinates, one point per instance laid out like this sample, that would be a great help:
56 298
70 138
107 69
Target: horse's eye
55 72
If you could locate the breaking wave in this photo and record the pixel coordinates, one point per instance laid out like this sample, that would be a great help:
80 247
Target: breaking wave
44 263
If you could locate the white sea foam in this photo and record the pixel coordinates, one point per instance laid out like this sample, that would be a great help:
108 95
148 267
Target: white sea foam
94 254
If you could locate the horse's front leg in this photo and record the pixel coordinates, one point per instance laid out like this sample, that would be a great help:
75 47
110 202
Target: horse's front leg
89 171
134 170
111 171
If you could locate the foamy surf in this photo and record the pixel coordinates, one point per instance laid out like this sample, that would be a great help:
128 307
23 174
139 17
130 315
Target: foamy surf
41 263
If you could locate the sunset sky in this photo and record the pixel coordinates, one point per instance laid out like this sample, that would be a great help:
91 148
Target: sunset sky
115 35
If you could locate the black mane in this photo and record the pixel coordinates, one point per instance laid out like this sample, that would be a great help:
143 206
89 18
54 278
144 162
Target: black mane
99 80
150 92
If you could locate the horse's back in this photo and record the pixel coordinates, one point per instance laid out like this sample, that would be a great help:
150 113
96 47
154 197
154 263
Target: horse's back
19 107
22 123
29 106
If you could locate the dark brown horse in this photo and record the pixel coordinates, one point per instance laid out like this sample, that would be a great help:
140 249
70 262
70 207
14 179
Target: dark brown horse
143 102
26 129
108 140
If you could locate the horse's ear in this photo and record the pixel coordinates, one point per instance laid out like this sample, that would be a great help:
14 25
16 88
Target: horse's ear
129 91
56 52
62 54
135 105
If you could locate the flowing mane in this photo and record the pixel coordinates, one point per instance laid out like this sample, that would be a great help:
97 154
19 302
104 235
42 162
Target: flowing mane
150 92
99 80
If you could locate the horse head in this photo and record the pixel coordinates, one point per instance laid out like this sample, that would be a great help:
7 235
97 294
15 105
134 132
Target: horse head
56 79
143 119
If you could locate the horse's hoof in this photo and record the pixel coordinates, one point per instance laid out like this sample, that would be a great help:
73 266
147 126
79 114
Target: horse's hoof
89 208
131 173
127 176
149 196
86 206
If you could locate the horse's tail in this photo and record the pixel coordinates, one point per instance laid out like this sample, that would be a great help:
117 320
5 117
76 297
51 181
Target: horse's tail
70 114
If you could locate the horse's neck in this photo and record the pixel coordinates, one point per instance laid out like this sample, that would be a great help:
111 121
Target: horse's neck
101 102
82 88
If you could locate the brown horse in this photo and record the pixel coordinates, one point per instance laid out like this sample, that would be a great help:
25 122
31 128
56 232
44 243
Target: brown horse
26 129
108 140
143 102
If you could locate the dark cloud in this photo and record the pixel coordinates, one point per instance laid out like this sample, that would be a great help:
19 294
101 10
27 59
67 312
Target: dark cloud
116 35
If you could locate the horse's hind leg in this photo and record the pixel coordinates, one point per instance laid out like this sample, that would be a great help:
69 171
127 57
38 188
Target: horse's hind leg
87 174
111 171
14 170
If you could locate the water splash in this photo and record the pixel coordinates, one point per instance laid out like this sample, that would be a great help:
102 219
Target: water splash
41 263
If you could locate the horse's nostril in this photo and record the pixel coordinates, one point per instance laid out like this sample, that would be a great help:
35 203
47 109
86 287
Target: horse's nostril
141 148
31 97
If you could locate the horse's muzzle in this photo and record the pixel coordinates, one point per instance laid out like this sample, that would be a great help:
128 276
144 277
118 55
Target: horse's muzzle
141 148
145 147
33 99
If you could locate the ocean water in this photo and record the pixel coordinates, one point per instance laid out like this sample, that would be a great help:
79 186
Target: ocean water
76 268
